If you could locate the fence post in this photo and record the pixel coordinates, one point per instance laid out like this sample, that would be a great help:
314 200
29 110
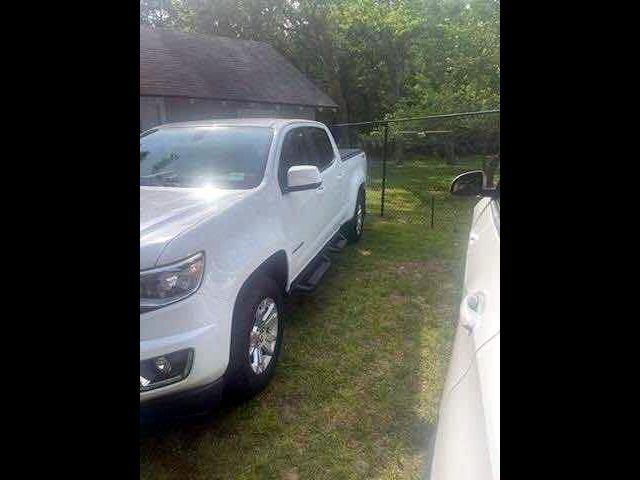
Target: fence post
384 168
432 209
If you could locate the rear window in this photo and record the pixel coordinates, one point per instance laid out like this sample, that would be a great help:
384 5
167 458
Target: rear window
320 142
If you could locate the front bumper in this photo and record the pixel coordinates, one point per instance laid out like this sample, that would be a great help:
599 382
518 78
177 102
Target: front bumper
198 323
185 403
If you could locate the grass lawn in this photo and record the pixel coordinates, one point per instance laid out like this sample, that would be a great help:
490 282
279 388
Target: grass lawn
356 392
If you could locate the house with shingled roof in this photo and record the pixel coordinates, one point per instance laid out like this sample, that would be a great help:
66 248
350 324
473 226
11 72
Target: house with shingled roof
186 76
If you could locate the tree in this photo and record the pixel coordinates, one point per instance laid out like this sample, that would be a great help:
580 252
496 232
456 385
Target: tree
396 58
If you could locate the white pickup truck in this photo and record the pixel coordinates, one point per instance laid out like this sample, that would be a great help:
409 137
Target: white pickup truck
234 214
467 439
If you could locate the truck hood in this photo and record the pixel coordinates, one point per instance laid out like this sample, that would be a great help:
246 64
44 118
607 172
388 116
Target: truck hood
166 212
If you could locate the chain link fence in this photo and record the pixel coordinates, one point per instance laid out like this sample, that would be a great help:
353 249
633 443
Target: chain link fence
412 162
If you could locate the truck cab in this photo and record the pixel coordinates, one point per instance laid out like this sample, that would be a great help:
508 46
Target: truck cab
234 215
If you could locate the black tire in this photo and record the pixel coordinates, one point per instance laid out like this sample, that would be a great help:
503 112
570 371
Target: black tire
350 230
241 379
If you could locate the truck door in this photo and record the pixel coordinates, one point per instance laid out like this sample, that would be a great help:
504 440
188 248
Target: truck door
479 318
332 172
467 444
302 212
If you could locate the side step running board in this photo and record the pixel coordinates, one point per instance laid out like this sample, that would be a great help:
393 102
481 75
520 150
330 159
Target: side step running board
338 243
309 283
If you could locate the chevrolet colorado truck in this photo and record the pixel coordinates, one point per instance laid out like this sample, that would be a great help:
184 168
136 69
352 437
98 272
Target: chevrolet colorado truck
234 215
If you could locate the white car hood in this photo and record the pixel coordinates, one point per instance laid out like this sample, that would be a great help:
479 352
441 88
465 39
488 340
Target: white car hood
165 212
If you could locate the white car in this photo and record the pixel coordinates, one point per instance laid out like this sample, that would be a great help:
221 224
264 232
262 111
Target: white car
467 440
234 214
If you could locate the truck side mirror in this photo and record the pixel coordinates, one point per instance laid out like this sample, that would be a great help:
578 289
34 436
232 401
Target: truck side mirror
472 184
303 177
469 184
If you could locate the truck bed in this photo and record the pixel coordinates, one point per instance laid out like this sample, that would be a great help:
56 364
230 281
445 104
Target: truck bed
346 153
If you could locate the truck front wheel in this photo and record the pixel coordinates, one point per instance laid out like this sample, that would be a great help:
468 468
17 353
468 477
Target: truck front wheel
256 336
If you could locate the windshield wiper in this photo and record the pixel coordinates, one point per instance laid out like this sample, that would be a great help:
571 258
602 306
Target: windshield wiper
163 178
158 174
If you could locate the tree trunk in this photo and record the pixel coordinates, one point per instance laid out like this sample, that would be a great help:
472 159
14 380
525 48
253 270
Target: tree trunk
450 151
398 151
490 165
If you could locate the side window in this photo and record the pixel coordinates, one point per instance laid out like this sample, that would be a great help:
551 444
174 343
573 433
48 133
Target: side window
294 152
322 145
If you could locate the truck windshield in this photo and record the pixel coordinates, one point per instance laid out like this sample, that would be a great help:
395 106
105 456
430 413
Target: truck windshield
230 157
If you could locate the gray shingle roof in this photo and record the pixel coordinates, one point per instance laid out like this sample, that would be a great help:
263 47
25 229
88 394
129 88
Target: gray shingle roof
199 66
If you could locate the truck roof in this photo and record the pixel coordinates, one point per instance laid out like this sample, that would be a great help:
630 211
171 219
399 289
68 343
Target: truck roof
244 122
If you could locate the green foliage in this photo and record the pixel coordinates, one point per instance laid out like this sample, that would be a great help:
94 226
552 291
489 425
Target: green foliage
460 70
397 58
173 14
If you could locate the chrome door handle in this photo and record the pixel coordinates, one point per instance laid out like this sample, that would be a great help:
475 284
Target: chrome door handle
471 310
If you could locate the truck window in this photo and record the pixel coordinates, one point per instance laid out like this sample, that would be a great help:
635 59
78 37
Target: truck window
322 145
295 151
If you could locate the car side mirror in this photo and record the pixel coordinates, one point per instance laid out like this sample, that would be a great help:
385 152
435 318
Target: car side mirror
303 177
471 184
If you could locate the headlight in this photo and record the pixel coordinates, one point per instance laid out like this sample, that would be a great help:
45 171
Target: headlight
170 283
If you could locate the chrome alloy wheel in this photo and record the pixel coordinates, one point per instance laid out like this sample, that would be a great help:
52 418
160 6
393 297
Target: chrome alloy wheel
359 218
264 335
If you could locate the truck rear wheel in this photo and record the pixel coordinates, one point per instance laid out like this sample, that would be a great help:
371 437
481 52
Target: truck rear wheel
353 230
256 336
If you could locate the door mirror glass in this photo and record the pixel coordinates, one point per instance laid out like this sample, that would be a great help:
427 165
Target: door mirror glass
303 177
469 184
